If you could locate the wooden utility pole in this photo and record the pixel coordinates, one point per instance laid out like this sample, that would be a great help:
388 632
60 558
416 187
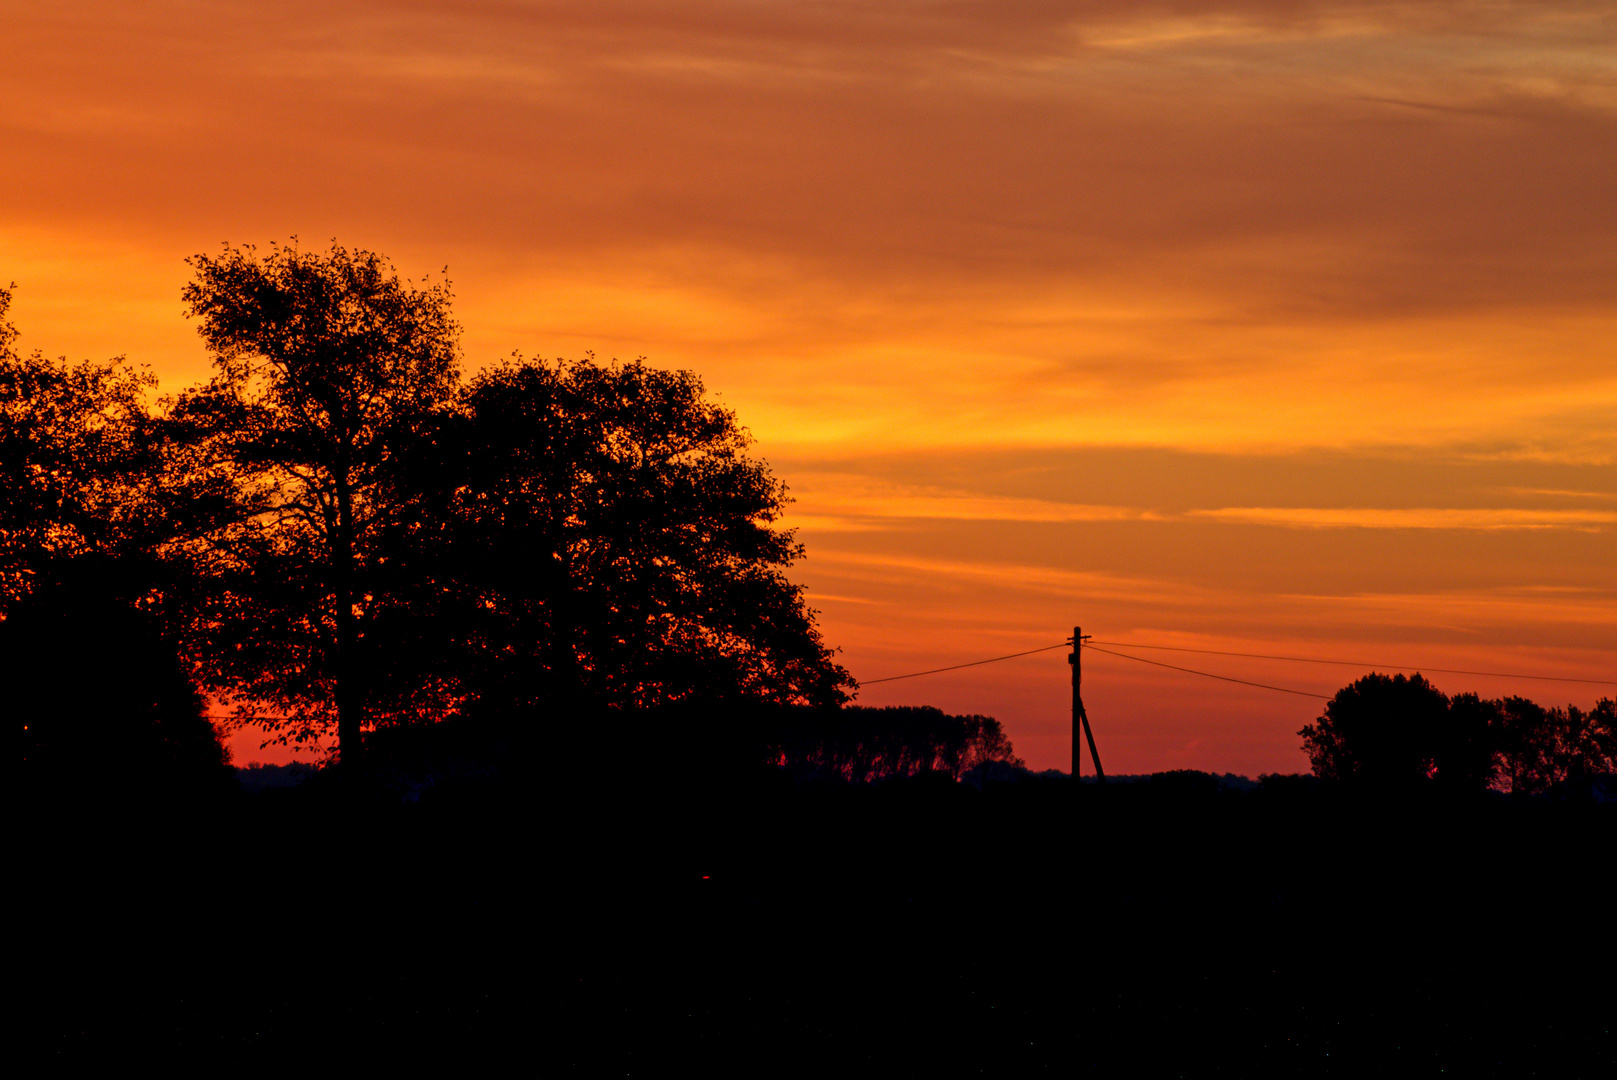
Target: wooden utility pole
1080 719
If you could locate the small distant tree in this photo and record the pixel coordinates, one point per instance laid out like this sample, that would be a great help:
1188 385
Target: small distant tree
327 366
986 745
1588 742
861 745
1541 747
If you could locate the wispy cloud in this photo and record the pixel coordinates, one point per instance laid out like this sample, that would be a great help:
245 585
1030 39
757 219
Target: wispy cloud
1221 317
1417 518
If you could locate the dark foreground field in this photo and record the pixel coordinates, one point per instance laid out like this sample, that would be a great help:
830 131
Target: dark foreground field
919 928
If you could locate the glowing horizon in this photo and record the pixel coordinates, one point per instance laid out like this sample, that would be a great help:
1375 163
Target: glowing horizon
1264 326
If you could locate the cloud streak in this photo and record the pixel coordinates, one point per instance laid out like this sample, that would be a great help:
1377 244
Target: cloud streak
1269 317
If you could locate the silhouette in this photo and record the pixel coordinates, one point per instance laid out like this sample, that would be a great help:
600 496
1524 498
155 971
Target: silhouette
862 745
1379 732
324 364
550 537
1388 734
1540 749
77 449
603 540
614 775
109 716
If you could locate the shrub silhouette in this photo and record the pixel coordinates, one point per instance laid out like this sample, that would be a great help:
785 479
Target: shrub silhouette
105 711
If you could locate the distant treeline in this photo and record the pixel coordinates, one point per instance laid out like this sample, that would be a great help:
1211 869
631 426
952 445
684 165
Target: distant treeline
1390 732
861 745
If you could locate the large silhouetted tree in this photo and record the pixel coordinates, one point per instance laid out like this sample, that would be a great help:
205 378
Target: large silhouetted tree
326 366
610 543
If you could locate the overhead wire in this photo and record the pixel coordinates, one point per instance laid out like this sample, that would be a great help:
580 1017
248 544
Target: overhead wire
957 667
1358 663
1208 674
1095 645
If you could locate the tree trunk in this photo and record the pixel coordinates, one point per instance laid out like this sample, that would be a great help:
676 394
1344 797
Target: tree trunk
350 708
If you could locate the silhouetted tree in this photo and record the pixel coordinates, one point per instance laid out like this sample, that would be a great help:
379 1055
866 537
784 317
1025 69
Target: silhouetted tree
1465 744
76 449
96 583
1526 745
326 365
1541 747
1378 732
1392 732
608 542
861 745
1588 742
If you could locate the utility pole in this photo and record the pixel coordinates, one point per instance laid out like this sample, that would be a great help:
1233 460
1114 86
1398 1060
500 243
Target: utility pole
1080 719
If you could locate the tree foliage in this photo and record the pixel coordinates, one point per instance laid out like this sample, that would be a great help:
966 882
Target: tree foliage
613 544
1400 733
552 536
77 448
94 508
1379 731
860 745
326 365
1539 748
355 538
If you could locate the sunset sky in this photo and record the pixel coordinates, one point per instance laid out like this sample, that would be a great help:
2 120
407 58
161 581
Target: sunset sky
1276 327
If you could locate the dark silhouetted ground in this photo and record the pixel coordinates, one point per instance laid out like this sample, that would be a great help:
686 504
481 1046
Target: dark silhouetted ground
915 928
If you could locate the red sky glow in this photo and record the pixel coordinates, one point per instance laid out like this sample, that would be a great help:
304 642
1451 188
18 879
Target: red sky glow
1270 326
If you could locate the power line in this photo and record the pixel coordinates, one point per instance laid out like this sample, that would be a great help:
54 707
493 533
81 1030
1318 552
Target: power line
1208 674
957 667
1358 663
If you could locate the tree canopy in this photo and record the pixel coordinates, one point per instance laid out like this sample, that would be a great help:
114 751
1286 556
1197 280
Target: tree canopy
617 546
551 536
1400 733
94 510
76 450
326 365
1379 731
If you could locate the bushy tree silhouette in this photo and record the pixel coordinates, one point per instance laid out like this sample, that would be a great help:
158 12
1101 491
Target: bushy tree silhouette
1465 744
325 365
1379 732
1539 748
349 536
608 542
1396 733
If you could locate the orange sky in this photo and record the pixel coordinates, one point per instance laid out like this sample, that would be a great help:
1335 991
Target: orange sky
1270 326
